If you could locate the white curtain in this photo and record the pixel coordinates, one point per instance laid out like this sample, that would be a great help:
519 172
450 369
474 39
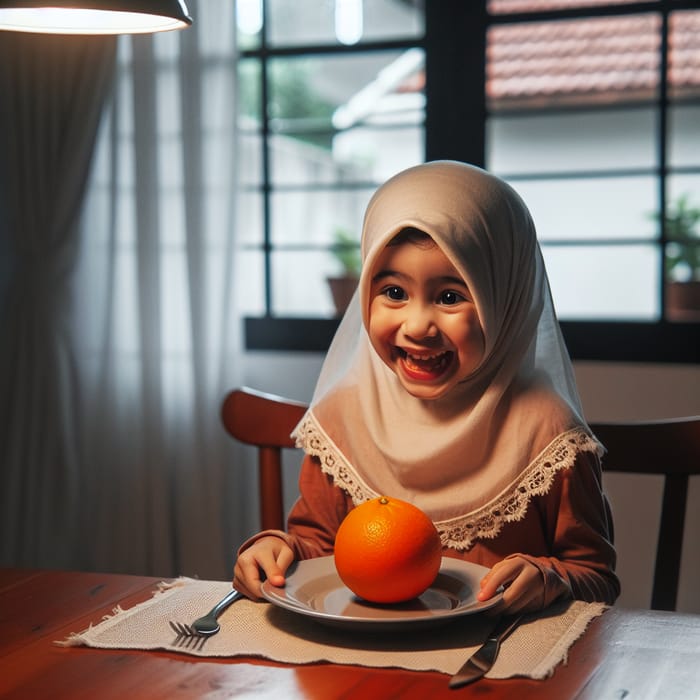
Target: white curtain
153 323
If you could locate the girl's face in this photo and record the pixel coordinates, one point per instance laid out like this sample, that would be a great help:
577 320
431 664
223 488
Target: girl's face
422 319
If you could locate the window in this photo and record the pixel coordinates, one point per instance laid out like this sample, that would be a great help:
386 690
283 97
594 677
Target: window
590 109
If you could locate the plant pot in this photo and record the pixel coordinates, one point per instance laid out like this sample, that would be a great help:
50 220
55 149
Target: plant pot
342 289
683 301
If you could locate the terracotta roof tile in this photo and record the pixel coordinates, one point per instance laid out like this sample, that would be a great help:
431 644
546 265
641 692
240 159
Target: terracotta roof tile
587 61
607 59
511 6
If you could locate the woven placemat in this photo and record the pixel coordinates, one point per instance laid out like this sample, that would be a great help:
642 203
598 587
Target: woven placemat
257 629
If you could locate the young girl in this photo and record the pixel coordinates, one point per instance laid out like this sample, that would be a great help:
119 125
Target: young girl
448 385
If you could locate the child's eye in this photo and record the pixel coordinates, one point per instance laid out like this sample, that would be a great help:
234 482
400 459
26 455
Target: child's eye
394 293
450 297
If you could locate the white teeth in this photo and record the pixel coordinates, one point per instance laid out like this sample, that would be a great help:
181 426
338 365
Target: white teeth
434 363
423 358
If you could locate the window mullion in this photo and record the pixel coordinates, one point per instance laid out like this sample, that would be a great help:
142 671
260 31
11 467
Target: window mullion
455 80
662 144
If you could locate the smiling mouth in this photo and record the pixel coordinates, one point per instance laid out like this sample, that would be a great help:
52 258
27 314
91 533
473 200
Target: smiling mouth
425 366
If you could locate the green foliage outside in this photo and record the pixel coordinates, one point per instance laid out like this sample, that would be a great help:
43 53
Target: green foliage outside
683 249
301 112
346 251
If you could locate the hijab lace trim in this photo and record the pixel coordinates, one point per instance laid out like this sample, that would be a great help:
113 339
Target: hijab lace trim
483 523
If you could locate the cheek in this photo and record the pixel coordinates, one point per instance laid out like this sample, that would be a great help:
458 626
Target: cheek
373 321
381 327
471 337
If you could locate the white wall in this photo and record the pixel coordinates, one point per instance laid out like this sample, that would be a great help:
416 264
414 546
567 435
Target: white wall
609 392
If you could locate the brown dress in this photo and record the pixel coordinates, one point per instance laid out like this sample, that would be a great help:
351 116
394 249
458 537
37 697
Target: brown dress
566 533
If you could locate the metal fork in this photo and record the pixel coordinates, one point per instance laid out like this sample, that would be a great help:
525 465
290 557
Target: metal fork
193 636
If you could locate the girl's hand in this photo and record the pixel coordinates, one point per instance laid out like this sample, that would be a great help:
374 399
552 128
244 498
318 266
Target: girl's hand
269 555
523 583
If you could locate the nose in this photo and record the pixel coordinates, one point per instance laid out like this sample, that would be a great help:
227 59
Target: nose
419 321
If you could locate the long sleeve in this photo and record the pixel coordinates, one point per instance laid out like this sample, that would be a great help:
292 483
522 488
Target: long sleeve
578 524
566 533
314 517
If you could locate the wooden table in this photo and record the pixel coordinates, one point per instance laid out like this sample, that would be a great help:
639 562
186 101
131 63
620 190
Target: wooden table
634 654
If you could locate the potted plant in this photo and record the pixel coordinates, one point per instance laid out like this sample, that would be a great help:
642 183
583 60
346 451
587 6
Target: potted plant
683 260
346 251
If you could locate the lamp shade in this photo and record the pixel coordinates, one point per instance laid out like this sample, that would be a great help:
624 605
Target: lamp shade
93 16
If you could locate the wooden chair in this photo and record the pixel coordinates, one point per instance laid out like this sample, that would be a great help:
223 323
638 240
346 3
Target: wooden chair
266 421
670 448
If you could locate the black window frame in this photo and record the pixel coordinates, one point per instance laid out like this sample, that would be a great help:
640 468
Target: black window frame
455 128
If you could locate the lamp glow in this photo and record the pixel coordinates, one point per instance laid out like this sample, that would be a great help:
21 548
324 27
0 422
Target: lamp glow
56 17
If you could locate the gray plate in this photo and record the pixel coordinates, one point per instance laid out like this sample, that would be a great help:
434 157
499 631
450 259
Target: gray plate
314 588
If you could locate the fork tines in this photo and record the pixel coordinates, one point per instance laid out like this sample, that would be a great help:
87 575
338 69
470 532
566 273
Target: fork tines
187 637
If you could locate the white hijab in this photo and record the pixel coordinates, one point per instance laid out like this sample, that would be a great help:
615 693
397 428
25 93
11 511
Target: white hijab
474 458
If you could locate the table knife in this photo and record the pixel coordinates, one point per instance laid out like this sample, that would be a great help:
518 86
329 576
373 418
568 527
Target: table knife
481 661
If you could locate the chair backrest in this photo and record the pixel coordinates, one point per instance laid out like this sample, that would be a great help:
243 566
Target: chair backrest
266 421
670 448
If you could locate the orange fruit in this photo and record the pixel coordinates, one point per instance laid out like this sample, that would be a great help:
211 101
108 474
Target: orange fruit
387 551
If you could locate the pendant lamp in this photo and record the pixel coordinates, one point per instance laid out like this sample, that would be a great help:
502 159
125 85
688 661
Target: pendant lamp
93 16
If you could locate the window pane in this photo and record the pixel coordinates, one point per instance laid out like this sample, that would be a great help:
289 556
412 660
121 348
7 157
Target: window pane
605 282
342 21
248 94
573 62
684 55
299 283
313 87
572 123
249 282
687 186
683 228
684 135
249 21
684 88
378 153
363 154
294 162
585 209
572 142
312 217
249 159
362 113
249 218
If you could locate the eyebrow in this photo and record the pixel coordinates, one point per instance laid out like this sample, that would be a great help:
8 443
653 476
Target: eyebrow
450 279
447 279
382 274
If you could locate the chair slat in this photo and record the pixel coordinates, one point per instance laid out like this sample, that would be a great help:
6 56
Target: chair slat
265 421
668 448
670 543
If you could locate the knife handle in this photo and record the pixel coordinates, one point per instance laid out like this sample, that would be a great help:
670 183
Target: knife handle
481 661
504 627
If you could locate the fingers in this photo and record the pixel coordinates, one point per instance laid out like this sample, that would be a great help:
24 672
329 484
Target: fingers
268 558
246 579
523 586
276 570
500 575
